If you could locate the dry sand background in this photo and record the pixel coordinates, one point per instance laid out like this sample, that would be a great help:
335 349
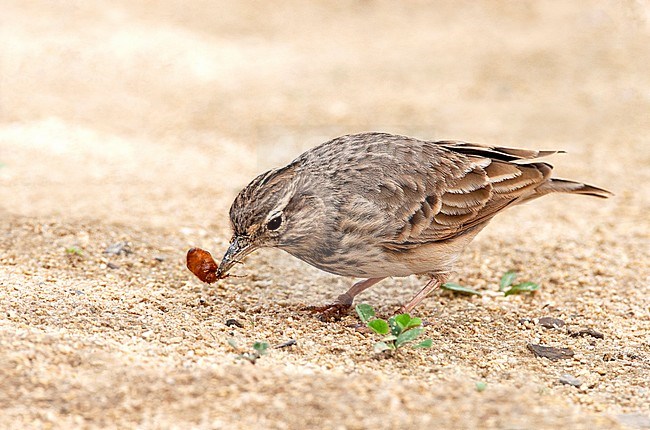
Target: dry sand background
139 121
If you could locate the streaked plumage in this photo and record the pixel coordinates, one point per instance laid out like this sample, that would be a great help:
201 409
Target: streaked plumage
375 205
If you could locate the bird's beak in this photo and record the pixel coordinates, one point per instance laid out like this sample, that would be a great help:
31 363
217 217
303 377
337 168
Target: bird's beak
239 248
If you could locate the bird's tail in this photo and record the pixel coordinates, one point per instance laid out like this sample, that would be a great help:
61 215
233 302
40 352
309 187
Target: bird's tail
555 185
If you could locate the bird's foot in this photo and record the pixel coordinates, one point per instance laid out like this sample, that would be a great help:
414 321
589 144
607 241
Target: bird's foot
334 311
331 312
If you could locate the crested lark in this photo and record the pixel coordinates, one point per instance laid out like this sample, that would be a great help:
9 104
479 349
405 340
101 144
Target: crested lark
375 205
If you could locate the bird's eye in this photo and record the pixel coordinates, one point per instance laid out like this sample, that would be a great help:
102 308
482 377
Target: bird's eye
274 223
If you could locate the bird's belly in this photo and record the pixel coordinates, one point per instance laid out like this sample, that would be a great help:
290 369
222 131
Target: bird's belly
434 257
382 269
378 264
437 257
381 261
372 263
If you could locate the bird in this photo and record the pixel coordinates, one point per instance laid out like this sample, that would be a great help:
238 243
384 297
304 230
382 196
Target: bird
377 205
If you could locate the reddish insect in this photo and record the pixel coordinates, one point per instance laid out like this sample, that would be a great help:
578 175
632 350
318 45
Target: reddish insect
201 263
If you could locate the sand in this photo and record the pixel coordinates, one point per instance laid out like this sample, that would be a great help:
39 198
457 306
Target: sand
138 123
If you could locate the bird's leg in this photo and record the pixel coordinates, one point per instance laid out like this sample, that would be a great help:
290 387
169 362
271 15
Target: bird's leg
437 279
355 289
343 302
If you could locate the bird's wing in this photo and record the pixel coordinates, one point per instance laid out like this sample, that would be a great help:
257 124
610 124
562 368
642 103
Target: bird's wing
443 189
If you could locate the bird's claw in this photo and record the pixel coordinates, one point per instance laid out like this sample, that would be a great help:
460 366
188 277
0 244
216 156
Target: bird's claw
331 312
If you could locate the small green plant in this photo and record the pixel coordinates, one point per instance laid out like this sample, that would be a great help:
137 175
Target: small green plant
398 331
74 250
457 288
508 279
481 386
259 349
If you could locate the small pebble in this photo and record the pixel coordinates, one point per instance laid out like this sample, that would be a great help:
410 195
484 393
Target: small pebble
548 322
118 248
567 379
588 332
290 342
233 322
550 352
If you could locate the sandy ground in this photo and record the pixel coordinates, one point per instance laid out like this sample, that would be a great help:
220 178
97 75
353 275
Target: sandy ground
138 122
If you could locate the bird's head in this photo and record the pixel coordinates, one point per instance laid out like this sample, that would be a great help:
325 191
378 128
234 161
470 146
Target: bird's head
275 210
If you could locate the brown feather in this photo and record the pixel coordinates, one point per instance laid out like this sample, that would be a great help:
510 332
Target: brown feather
499 171
556 185
471 181
474 198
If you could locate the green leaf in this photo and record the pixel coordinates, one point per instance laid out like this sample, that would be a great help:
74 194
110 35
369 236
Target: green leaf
408 336
402 320
395 328
426 343
390 338
231 342
481 386
261 347
381 347
524 287
415 322
365 312
74 250
452 286
507 280
379 326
